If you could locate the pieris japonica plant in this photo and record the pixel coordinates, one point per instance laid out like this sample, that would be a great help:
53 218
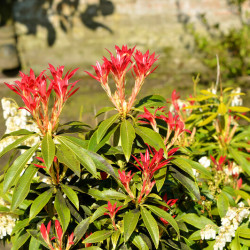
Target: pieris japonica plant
156 174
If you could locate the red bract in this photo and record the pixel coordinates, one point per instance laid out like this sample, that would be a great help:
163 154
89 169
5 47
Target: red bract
144 62
150 117
112 212
70 241
170 203
125 180
220 163
59 232
35 93
45 234
118 66
148 167
175 96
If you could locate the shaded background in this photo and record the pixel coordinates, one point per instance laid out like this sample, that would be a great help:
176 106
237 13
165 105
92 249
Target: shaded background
187 34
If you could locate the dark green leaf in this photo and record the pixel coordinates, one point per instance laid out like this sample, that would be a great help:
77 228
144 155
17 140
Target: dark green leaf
150 137
40 202
163 214
20 240
48 150
22 188
104 110
159 177
71 194
151 226
98 236
127 138
222 204
19 133
130 221
81 229
105 125
20 224
185 166
62 210
13 173
81 153
139 243
151 101
16 143
66 156
197 221
186 182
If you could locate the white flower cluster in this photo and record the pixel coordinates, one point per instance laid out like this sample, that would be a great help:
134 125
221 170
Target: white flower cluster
208 232
17 119
237 100
233 170
7 221
229 225
204 161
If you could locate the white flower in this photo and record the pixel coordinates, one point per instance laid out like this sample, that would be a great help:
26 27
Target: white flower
204 161
237 100
241 204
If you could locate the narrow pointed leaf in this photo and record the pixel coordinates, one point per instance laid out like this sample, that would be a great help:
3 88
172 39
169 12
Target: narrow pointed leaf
222 204
207 120
81 229
151 226
163 214
22 188
66 156
127 138
81 153
62 210
16 143
130 221
20 241
150 137
13 173
140 243
71 194
105 125
98 236
40 202
48 150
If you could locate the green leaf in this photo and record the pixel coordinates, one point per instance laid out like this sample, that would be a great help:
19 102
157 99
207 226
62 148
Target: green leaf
105 125
112 194
222 109
62 210
151 226
40 202
20 240
208 120
71 194
198 167
66 156
130 221
150 137
239 109
48 150
163 214
185 166
244 195
81 229
13 173
151 101
235 244
159 177
98 213
81 153
104 110
19 133
139 243
34 244
222 204
16 143
240 159
20 224
127 138
190 185
22 188
195 236
197 221
94 146
244 232
98 236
